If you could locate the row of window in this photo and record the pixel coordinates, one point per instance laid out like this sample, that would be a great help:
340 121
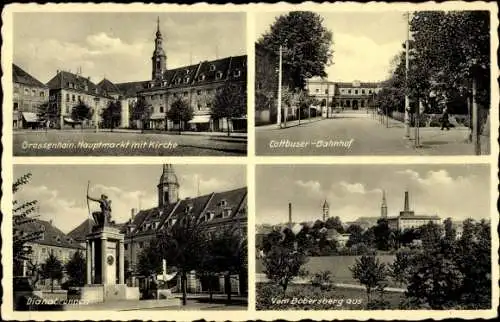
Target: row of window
187 79
27 91
343 91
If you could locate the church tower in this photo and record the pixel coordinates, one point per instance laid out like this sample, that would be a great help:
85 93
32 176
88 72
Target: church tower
326 211
159 58
168 188
383 207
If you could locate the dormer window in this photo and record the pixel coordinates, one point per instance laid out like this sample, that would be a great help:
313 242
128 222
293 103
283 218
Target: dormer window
178 81
237 73
218 75
164 83
186 80
226 213
201 77
212 67
223 203
187 71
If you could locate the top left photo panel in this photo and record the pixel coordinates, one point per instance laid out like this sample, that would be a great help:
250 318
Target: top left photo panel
128 84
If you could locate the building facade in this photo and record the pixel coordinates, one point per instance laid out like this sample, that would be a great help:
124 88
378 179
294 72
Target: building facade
197 85
323 91
68 90
52 241
407 218
29 95
355 95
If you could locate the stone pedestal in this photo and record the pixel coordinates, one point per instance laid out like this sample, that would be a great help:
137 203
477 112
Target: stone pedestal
105 266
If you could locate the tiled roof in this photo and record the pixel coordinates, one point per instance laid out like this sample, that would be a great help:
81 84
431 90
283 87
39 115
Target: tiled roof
67 80
21 77
108 87
81 231
131 89
52 236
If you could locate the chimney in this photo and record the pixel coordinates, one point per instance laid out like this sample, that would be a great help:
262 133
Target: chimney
407 202
132 214
50 222
290 215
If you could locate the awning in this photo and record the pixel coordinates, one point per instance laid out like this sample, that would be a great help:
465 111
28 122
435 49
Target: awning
200 119
30 117
71 121
157 117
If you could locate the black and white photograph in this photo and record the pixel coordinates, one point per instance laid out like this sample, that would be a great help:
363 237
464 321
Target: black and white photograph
372 83
373 237
129 83
163 237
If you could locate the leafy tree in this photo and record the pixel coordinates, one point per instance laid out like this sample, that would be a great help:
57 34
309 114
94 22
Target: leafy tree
22 217
282 264
230 101
431 235
81 112
228 252
382 233
323 280
356 235
149 263
184 246
75 268
369 237
399 269
335 223
370 272
52 269
47 111
112 114
179 111
307 44
141 111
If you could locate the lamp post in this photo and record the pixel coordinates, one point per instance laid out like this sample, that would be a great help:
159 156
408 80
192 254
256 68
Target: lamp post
278 122
407 58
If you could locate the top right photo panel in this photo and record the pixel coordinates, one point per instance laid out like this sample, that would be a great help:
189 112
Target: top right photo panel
373 83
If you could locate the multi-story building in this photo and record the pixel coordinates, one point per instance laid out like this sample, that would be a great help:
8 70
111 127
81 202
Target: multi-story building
407 218
323 91
355 95
29 95
213 211
67 90
52 241
198 85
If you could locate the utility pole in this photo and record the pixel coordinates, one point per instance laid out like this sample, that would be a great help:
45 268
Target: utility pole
407 97
417 124
278 122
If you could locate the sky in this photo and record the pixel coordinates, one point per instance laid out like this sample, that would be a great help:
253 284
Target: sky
352 191
364 42
61 189
119 46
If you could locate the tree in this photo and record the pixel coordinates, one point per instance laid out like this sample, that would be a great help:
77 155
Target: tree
183 245
141 111
22 217
399 269
75 268
52 269
382 233
149 263
335 223
47 111
112 114
307 44
230 101
179 111
228 252
369 272
81 112
282 264
356 235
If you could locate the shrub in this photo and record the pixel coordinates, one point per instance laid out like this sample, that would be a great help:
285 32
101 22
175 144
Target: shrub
323 280
265 294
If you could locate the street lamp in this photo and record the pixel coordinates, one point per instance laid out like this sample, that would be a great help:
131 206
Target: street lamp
407 58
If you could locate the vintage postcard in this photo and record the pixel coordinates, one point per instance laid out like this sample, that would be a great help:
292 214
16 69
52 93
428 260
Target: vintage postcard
129 83
255 161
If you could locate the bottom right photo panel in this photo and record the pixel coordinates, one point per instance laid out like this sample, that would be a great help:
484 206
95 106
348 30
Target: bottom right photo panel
373 237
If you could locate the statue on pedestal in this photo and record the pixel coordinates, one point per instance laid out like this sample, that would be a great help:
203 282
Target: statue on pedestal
103 217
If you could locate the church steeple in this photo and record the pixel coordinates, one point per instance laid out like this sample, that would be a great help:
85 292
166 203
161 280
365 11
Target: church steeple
168 188
383 207
159 59
326 211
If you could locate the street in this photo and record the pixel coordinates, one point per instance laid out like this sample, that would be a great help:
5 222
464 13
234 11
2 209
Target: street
358 133
88 143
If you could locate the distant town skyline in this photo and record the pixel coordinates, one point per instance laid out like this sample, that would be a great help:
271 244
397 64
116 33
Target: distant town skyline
354 191
119 46
364 43
61 189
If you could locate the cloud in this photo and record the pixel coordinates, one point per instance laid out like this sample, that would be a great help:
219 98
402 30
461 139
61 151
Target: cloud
353 187
312 187
361 58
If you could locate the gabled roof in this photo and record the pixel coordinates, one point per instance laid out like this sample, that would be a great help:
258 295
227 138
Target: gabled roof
81 231
67 80
107 86
52 236
131 89
22 77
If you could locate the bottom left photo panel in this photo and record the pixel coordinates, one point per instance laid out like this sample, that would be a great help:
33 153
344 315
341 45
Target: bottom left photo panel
129 237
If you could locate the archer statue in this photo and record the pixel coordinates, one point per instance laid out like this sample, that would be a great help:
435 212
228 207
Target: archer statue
103 217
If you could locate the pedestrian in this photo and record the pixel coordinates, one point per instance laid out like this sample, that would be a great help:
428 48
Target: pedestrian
445 122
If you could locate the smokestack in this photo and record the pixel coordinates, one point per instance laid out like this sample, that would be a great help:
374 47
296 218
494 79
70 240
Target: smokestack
407 202
290 215
132 214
